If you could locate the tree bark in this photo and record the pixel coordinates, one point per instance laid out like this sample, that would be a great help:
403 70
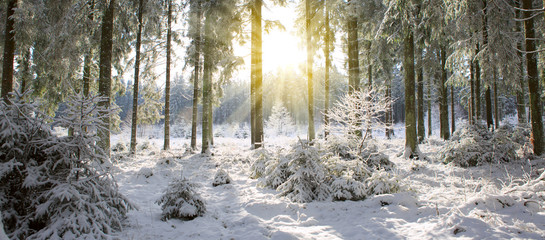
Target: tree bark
443 100
353 60
472 95
496 112
135 88
105 74
9 51
166 144
410 117
420 94
207 82
533 79
257 76
327 67
453 117
196 15
430 131
311 132
88 58
478 104
521 102
488 101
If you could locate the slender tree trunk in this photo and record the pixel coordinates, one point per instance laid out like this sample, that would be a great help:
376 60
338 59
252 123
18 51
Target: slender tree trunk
488 101
9 51
496 112
443 103
26 73
311 132
472 95
207 82
136 77
327 67
88 58
389 131
453 117
430 131
410 117
353 49
420 94
211 119
166 144
478 103
521 103
196 16
105 74
533 79
257 76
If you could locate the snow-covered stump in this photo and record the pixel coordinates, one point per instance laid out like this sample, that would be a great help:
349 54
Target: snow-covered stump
181 201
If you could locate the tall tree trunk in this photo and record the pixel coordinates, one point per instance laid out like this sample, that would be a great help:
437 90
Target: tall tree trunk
472 95
420 94
353 50
105 74
478 104
9 51
207 82
257 76
496 112
488 101
26 73
430 131
443 100
88 57
533 79
521 103
453 117
327 67
196 16
410 117
166 144
311 132
136 77
389 112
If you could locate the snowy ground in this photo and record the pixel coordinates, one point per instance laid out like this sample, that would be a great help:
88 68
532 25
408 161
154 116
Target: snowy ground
443 201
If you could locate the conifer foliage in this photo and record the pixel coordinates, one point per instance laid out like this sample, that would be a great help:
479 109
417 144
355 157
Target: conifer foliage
55 187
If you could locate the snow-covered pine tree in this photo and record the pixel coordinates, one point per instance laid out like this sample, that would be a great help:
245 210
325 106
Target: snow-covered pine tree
56 187
181 201
280 122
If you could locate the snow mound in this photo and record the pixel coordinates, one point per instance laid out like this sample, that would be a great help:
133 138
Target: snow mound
221 178
181 201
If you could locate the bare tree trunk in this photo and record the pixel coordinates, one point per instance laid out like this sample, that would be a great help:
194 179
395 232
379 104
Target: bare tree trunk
207 83
196 22
478 103
105 74
443 101
327 66
533 79
9 51
88 58
410 118
257 76
311 132
420 94
496 112
430 131
353 50
488 101
472 95
453 118
166 144
521 103
136 78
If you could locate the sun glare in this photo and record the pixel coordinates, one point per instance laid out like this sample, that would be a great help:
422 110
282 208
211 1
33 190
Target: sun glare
281 49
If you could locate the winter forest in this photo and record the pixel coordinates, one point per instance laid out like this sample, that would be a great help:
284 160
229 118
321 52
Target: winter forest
272 119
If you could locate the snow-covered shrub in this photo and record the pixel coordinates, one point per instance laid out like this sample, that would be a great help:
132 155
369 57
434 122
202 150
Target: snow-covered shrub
180 130
473 145
181 201
243 132
307 175
143 146
346 148
258 168
221 178
382 182
145 172
280 123
348 178
120 147
55 187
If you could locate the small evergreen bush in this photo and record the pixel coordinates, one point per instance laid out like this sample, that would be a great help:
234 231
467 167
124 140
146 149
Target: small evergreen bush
181 201
221 178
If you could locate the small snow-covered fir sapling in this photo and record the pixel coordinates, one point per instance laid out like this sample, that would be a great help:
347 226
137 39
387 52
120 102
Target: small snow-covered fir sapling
181 201
55 187
280 123
221 178
307 175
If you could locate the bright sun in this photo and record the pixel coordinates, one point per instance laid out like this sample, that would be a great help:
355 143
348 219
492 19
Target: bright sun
281 49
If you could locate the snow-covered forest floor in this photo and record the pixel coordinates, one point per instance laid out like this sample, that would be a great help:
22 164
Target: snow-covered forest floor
441 201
